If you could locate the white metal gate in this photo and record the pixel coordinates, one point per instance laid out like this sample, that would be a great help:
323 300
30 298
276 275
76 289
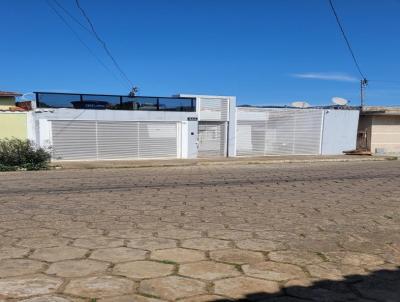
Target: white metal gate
212 139
98 140
262 131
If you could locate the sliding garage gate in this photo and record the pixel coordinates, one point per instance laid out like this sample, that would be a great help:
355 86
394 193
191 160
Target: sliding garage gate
262 131
97 140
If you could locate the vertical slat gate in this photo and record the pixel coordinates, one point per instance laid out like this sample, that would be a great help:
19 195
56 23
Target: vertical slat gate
117 140
263 131
74 140
91 140
212 139
157 140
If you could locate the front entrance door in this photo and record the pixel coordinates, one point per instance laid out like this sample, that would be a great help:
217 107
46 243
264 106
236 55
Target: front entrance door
212 139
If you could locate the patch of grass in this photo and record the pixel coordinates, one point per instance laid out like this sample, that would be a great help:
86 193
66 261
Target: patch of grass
166 262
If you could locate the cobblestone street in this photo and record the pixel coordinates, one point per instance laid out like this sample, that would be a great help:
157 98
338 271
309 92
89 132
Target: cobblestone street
291 232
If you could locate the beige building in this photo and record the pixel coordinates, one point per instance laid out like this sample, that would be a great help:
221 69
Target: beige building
13 119
379 130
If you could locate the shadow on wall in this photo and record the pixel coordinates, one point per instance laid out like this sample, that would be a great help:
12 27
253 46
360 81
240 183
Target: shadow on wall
382 286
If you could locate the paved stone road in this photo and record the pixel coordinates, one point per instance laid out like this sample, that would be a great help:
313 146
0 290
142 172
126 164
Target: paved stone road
196 234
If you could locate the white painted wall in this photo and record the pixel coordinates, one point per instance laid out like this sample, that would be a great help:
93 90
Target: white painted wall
339 131
112 115
42 118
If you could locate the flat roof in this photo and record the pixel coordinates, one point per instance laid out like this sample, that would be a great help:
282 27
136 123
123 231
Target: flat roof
9 93
380 110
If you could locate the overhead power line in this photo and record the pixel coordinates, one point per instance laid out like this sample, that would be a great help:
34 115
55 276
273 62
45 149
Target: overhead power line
81 40
347 42
73 17
103 44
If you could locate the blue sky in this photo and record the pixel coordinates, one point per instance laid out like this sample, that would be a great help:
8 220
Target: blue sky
263 51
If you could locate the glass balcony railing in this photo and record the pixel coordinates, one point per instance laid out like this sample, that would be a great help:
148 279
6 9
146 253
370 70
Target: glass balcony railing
113 102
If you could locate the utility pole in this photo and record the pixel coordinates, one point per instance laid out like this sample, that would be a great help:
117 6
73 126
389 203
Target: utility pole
363 85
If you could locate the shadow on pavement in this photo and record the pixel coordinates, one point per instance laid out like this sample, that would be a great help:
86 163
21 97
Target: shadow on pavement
382 286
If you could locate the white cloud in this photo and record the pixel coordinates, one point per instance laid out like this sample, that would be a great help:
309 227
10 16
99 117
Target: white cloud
326 76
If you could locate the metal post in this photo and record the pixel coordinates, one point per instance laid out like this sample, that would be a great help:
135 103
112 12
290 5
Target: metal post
362 93
363 85
37 100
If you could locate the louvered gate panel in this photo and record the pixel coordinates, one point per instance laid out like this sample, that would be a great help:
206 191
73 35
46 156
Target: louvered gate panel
250 138
278 132
158 140
212 139
118 140
308 125
74 140
213 109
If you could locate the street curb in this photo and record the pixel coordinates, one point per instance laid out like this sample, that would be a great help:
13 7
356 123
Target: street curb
183 163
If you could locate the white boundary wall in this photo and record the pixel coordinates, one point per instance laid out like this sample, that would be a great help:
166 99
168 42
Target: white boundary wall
187 136
287 131
339 131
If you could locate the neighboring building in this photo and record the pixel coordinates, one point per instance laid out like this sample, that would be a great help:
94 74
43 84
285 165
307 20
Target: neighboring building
379 130
7 100
13 123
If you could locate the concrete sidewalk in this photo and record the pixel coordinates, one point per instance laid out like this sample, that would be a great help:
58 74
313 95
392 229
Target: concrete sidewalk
103 164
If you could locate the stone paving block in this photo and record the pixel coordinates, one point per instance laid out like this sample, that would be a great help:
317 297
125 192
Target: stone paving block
26 286
13 252
178 255
98 242
355 259
172 287
206 244
273 271
6 242
30 233
332 271
143 269
77 268
237 256
99 286
259 245
40 242
152 244
130 233
277 235
53 254
81 233
51 299
179 233
208 270
18 267
229 234
204 298
118 254
300 258
240 287
130 298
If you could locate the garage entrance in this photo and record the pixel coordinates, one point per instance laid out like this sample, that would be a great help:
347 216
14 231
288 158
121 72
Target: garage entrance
101 140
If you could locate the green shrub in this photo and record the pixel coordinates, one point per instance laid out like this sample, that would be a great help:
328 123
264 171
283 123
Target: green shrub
16 154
